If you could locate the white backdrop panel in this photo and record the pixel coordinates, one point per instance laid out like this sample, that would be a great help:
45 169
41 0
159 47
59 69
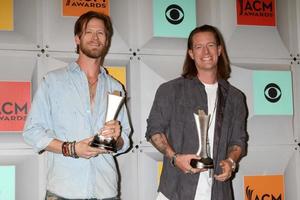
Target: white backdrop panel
128 167
148 181
27 27
262 129
255 41
296 83
154 70
58 30
270 160
146 42
30 174
17 66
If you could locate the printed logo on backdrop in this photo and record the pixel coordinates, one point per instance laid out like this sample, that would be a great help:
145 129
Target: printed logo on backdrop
256 12
78 7
174 14
173 18
272 92
15 100
6 15
264 187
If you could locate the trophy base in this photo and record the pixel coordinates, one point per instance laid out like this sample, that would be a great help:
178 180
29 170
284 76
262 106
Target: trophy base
206 163
103 146
109 145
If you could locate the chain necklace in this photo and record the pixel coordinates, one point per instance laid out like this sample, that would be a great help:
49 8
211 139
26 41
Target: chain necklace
92 91
92 83
213 113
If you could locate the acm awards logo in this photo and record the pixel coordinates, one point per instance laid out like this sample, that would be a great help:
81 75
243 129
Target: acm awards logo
272 92
86 3
15 100
251 195
260 8
12 111
174 14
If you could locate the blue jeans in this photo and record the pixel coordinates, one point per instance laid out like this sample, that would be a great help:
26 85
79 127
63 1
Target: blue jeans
52 196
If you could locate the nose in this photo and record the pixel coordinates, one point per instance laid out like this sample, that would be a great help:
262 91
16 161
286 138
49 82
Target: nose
95 36
205 49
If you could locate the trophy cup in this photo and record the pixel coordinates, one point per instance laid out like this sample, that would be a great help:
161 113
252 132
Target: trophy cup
202 123
114 104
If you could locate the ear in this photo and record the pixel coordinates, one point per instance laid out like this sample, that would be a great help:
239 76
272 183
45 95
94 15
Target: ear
219 50
190 51
77 40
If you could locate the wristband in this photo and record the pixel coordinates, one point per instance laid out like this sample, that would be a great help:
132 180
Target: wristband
173 160
233 163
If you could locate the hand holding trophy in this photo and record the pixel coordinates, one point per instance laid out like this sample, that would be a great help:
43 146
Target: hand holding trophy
114 104
202 122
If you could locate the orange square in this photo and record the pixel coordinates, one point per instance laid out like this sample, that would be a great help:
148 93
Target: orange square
78 7
15 101
253 12
7 15
118 72
264 187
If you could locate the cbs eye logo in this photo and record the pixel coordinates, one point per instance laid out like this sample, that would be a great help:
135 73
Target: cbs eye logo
272 92
174 14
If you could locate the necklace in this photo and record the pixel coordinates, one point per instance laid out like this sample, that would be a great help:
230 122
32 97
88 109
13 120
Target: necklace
92 91
92 83
213 113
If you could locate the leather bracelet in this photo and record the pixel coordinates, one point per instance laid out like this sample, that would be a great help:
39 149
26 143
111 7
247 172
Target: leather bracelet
64 148
173 160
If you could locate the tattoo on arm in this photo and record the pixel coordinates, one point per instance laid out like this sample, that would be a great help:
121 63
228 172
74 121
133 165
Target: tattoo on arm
235 152
160 142
234 148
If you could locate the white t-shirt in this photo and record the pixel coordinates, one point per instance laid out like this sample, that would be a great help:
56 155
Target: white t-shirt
203 191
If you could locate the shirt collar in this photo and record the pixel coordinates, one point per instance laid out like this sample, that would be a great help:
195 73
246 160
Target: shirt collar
73 66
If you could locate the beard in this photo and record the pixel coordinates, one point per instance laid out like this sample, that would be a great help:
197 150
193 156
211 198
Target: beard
92 52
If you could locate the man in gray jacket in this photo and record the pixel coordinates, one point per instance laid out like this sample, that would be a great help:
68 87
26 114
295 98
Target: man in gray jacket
172 128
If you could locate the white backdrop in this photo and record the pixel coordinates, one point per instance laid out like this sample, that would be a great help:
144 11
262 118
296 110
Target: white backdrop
43 40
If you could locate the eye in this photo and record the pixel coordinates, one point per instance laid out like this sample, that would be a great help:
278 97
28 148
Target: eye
272 92
198 47
174 14
100 33
211 45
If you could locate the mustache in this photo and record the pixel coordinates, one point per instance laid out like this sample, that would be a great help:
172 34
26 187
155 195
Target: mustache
95 43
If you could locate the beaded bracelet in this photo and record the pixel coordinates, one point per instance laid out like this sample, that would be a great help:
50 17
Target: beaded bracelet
65 150
69 150
74 155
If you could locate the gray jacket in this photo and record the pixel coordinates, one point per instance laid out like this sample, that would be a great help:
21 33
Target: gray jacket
172 114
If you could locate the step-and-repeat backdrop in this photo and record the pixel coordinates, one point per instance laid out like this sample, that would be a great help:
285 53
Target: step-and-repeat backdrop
148 48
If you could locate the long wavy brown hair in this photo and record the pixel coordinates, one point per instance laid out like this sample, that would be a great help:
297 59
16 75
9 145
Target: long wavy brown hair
189 68
84 19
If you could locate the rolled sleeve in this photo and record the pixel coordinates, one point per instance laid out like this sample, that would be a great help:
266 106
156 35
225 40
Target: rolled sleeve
239 133
159 116
37 130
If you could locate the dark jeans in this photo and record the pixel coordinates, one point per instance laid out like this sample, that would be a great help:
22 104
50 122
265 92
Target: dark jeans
52 196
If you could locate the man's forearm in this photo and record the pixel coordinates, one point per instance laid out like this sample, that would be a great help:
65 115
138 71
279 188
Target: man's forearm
160 142
235 153
54 146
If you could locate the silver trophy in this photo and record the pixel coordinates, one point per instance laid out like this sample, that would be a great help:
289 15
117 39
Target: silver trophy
202 123
114 104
